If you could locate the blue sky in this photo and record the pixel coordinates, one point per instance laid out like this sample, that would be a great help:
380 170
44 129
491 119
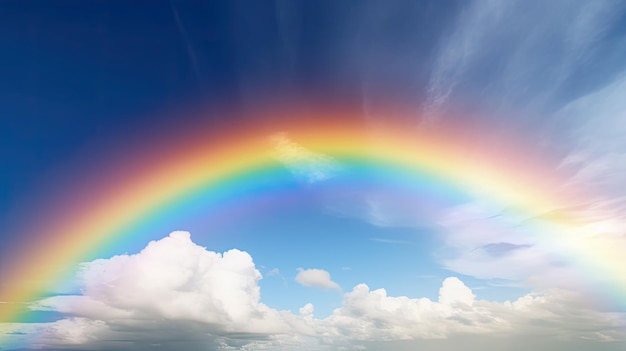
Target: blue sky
79 79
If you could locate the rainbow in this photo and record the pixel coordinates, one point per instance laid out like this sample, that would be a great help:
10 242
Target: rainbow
180 173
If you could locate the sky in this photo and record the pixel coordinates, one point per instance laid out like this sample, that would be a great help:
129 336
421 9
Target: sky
391 175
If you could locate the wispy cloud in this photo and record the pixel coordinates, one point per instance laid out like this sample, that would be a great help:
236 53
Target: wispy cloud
550 70
305 164
390 241
457 53
520 55
273 272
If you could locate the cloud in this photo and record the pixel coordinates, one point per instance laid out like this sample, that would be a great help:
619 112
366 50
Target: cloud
74 331
390 241
535 252
453 291
172 294
551 249
373 198
595 127
385 203
173 279
273 272
523 56
177 295
456 54
307 311
368 315
318 278
373 315
305 164
375 203
550 71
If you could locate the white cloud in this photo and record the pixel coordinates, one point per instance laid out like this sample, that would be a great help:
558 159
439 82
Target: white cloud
273 272
383 203
551 249
318 278
373 315
390 241
597 157
74 331
584 138
484 242
454 291
177 295
538 252
307 310
491 54
305 164
174 279
377 204
457 52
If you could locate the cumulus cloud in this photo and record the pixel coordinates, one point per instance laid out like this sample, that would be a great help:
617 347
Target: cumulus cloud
177 295
368 315
454 291
307 310
318 278
174 278
418 318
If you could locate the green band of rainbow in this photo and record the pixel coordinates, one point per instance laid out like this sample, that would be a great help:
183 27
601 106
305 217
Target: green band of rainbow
242 168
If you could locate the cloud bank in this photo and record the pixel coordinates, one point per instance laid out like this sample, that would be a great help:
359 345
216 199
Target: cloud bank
175 294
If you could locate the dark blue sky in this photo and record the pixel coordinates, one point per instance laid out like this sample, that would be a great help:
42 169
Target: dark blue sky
75 73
